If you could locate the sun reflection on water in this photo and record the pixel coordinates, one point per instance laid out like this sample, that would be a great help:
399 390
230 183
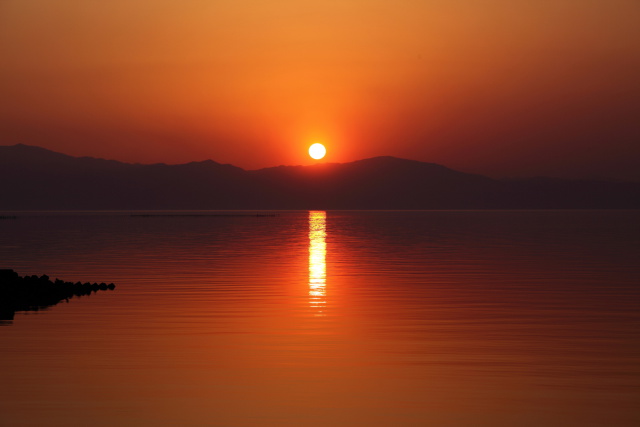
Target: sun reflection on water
317 259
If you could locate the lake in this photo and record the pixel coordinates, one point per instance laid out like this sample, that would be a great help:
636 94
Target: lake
342 318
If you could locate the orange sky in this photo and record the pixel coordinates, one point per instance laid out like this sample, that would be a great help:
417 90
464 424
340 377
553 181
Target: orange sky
505 88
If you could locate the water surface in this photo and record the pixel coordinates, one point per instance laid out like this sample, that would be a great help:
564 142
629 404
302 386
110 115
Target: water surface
327 318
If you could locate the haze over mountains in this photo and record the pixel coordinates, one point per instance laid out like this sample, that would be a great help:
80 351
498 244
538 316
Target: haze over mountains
36 178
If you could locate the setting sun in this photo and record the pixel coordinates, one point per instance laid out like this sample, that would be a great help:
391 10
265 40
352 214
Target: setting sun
317 151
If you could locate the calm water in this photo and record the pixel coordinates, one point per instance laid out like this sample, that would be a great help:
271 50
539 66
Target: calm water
328 318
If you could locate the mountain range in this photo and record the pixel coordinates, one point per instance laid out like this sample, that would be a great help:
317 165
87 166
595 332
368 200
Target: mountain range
34 178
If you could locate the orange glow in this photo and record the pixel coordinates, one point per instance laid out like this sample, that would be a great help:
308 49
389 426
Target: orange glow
245 82
317 258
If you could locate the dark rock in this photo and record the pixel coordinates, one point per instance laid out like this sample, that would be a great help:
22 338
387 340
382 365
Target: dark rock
35 293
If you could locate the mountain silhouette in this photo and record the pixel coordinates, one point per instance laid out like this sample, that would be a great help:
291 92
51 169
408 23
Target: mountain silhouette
40 179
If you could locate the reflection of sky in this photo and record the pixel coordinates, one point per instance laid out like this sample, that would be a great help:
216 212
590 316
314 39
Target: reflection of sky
317 258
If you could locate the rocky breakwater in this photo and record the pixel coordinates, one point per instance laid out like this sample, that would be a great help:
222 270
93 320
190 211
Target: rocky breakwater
18 293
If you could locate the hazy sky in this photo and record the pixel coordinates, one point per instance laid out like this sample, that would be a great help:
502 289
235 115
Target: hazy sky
499 87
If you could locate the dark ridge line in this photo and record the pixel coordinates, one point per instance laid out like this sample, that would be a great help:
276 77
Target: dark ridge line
202 215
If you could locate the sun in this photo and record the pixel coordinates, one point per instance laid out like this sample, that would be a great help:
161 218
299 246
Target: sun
317 151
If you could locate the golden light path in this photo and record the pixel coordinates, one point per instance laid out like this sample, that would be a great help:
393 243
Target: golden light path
317 258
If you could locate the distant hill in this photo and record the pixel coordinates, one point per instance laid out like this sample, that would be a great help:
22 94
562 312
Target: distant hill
36 178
